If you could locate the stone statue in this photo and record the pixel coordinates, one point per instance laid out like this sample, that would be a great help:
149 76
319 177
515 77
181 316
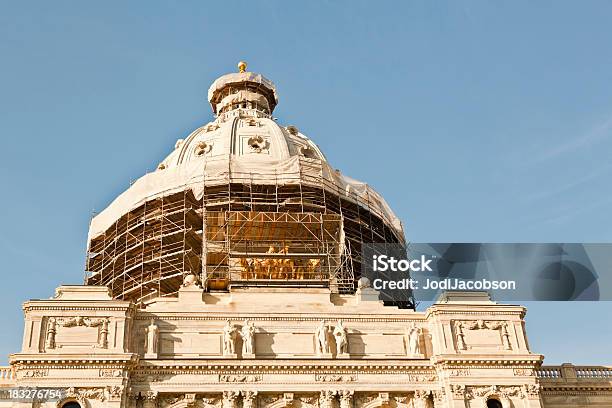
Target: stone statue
103 336
460 336
248 337
51 330
229 338
506 337
414 340
322 337
341 339
152 339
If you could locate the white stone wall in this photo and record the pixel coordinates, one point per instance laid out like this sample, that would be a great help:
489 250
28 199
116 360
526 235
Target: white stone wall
174 353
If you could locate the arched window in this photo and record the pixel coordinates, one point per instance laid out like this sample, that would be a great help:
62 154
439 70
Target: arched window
493 403
71 404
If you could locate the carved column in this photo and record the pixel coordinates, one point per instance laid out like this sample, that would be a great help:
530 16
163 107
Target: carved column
149 399
50 335
249 399
439 397
457 394
230 399
420 398
326 400
531 392
346 398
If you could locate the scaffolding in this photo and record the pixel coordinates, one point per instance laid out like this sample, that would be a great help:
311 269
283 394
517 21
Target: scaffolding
301 231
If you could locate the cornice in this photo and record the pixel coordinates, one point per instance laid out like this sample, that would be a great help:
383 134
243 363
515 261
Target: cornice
283 318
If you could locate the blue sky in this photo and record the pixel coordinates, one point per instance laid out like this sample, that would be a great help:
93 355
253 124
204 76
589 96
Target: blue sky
479 121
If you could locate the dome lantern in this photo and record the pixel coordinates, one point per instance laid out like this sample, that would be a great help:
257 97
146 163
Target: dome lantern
243 90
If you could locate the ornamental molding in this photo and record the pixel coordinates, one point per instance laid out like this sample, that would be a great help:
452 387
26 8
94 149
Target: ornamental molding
335 378
505 392
30 308
572 390
489 313
75 321
33 373
486 363
523 372
300 366
461 326
410 376
72 363
240 378
110 372
81 395
224 317
459 372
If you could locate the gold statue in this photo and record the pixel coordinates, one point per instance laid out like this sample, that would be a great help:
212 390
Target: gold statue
242 66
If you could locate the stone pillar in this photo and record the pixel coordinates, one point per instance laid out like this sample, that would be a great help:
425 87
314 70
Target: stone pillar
439 398
457 396
326 400
346 398
249 399
421 397
230 399
149 399
531 394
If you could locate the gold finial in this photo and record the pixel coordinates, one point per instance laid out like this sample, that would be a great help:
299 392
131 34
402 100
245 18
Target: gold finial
242 66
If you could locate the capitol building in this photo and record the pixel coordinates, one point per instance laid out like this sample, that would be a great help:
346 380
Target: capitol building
230 277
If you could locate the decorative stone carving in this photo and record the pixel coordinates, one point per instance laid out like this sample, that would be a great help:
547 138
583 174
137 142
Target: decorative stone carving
239 378
502 393
50 335
421 398
230 337
459 372
458 391
523 372
482 325
531 391
335 377
77 321
341 337
505 337
109 372
152 340
427 377
346 398
322 339
384 398
414 341
80 321
460 336
149 399
249 399
230 399
326 399
202 148
438 397
103 334
72 395
114 392
258 144
36 373
248 339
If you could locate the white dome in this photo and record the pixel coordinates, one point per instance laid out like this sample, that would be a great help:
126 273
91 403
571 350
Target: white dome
243 145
